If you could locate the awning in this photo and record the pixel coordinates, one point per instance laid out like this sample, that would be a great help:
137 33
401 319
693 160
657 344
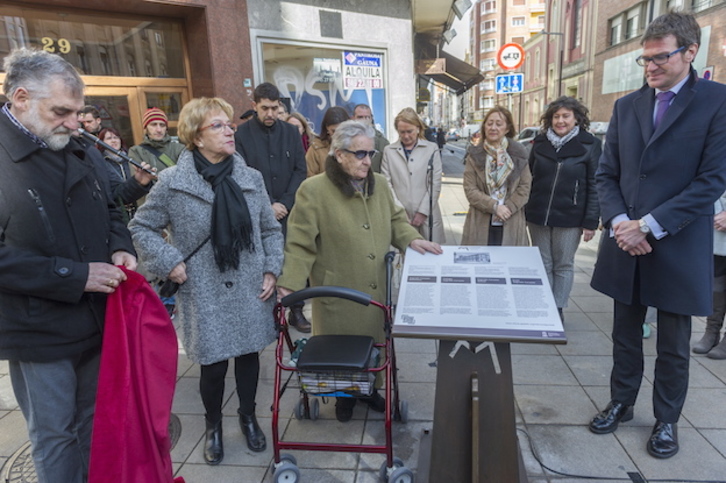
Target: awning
458 75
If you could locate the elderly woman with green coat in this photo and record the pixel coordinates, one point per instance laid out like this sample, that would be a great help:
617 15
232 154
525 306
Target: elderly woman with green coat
338 233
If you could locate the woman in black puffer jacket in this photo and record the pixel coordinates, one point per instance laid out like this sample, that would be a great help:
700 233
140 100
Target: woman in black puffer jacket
563 202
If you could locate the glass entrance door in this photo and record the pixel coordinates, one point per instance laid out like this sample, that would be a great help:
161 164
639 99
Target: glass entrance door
118 108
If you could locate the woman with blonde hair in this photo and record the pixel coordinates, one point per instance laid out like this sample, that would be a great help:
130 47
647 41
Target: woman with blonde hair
407 165
225 251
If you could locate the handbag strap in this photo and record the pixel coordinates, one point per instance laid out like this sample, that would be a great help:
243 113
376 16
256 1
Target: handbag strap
163 157
197 249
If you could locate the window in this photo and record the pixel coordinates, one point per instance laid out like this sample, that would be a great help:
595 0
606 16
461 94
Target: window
519 2
490 6
675 5
488 102
518 21
488 64
489 45
518 40
488 84
577 17
627 25
541 20
98 46
488 26
615 28
632 25
537 64
698 5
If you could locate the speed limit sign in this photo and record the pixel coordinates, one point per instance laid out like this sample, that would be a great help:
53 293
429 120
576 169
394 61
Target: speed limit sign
510 56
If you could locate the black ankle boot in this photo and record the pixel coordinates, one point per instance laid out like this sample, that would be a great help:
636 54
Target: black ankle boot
255 437
213 447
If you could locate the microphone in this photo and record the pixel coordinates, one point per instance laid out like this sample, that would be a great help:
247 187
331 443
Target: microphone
115 151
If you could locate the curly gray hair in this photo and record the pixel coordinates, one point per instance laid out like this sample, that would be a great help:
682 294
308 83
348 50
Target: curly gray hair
33 69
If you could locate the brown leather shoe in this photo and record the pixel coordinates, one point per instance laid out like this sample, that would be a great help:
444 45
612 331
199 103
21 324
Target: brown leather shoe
298 320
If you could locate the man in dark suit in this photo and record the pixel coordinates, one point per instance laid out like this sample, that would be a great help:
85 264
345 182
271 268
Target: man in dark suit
663 166
274 148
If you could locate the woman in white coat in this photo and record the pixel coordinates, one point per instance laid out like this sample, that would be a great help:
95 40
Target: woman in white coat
406 165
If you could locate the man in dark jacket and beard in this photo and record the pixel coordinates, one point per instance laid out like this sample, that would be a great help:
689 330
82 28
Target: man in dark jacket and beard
274 148
60 237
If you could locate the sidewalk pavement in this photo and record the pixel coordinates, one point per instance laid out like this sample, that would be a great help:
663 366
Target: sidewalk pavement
557 390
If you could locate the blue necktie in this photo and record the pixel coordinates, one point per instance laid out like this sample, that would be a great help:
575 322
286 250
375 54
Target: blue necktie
664 101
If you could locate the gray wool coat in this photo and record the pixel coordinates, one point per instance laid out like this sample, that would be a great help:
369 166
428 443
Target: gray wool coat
220 314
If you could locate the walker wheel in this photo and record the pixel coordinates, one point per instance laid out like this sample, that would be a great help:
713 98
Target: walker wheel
300 409
314 409
402 413
288 457
383 471
401 475
288 473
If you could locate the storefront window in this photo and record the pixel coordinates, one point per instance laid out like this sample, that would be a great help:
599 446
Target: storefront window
104 46
316 78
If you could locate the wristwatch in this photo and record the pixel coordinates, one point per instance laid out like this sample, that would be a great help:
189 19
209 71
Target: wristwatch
644 228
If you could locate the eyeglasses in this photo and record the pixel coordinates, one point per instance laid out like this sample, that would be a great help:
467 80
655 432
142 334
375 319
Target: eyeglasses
219 126
659 59
361 154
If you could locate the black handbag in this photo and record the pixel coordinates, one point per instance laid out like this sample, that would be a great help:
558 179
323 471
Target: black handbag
168 288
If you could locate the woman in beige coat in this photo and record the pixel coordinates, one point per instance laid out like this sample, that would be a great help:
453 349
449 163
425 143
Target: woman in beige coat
339 231
497 182
406 165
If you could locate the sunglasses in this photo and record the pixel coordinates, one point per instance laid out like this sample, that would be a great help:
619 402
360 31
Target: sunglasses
361 154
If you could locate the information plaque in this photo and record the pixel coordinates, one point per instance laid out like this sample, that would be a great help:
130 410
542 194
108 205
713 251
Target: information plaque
477 293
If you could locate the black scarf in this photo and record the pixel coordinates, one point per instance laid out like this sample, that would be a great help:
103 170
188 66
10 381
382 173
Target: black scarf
231 222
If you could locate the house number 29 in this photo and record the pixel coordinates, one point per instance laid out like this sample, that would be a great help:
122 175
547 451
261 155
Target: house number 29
52 45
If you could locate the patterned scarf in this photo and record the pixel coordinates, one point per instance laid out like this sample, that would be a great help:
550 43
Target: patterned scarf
558 142
498 164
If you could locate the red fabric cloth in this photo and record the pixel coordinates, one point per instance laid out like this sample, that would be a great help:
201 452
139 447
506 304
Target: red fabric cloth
136 383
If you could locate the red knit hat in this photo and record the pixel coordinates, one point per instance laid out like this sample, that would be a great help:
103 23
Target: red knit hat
154 114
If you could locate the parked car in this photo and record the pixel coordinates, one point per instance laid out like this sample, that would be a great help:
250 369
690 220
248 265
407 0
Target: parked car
452 135
526 137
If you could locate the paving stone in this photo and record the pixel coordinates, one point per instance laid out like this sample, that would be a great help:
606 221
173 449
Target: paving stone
693 448
545 404
537 369
577 451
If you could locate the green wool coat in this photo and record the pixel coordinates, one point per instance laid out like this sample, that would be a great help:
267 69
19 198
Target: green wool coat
339 237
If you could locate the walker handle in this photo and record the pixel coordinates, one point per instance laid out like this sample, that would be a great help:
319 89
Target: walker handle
326 291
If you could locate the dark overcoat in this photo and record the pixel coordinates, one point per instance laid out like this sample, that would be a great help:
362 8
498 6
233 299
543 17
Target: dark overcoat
676 174
277 153
56 216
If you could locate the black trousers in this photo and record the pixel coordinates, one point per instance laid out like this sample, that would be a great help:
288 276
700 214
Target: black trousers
211 384
671 367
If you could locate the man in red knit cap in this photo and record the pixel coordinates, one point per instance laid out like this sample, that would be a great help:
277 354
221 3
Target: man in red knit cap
157 148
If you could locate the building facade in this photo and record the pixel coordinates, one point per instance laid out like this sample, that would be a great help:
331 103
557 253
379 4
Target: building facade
142 53
495 23
619 28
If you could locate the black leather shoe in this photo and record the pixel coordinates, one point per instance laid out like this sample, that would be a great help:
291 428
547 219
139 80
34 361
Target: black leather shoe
375 401
298 320
607 420
663 442
255 437
344 408
213 447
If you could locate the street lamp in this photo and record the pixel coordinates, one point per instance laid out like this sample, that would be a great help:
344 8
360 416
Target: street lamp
559 70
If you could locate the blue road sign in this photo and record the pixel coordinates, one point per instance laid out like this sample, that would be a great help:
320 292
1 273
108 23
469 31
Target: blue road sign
510 83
